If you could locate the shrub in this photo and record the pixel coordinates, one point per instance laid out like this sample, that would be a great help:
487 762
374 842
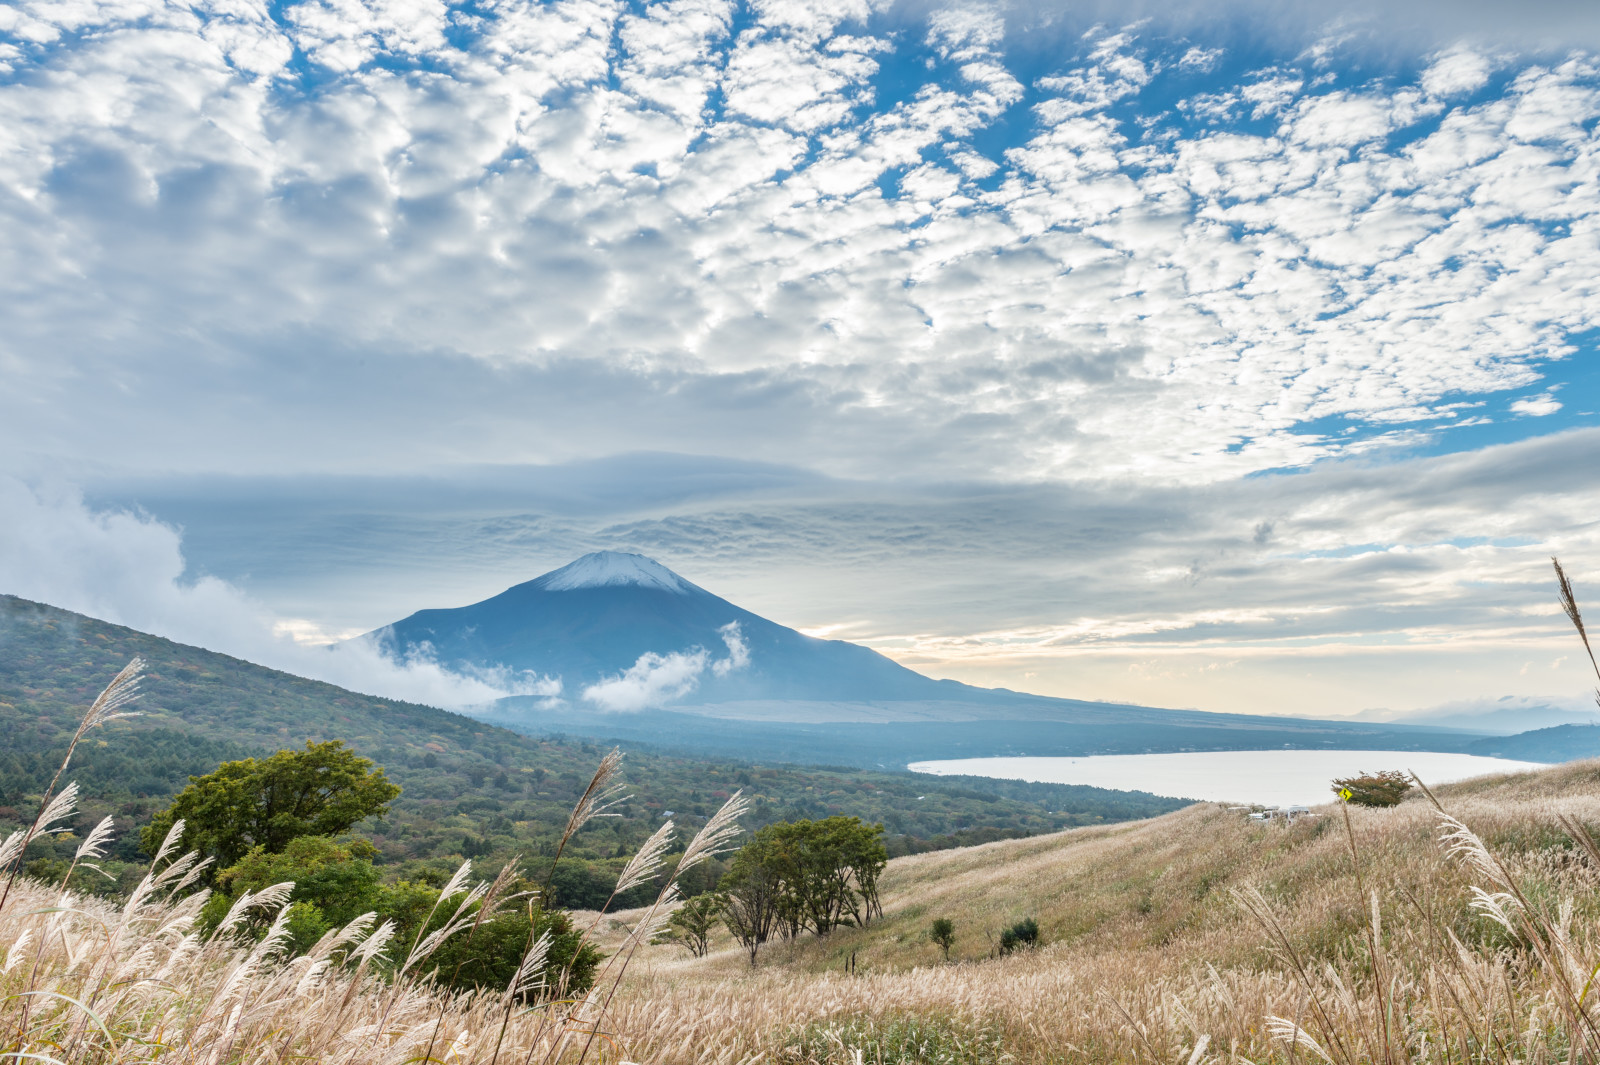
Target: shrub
487 956
943 932
1373 789
1025 933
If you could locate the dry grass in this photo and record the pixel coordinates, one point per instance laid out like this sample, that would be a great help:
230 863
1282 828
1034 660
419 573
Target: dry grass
1389 935
1197 926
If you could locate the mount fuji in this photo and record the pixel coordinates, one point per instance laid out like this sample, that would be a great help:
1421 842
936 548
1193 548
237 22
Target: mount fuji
627 650
618 628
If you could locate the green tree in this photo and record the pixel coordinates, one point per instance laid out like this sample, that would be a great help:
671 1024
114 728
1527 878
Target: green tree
320 791
1025 933
692 922
334 883
755 893
943 932
1373 789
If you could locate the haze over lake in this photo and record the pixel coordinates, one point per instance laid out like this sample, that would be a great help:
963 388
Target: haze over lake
1273 778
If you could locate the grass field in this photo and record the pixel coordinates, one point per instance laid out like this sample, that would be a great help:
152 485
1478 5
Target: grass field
1195 936
1459 929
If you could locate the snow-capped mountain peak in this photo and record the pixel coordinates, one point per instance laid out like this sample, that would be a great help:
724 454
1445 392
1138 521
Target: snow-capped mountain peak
607 568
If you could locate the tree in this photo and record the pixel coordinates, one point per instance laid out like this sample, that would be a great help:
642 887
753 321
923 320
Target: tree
321 791
943 932
1373 789
334 883
755 893
692 922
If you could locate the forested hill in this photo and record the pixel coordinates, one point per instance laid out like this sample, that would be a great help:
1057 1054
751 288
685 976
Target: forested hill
470 789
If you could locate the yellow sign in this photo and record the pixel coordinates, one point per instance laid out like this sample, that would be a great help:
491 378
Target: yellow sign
1346 794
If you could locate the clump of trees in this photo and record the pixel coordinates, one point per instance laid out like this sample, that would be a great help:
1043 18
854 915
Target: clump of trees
273 821
1373 789
802 876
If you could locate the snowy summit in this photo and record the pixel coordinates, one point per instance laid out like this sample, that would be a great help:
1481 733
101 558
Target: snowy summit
604 568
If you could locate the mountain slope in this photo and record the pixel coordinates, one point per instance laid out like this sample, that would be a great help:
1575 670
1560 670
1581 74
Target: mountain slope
470 789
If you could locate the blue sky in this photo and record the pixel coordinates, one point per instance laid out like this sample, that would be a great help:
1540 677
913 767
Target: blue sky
1113 350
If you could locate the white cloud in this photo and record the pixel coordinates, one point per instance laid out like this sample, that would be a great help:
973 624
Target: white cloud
738 651
128 569
650 682
1536 406
656 679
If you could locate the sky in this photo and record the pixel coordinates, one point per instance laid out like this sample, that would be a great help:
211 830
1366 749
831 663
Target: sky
1231 355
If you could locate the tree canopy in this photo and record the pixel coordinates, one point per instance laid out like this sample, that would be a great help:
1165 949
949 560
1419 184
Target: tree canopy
321 791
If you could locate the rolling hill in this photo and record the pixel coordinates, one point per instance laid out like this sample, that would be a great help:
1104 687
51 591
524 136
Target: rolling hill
1164 939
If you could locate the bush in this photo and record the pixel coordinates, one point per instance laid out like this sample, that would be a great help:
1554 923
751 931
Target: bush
488 956
1025 933
1373 789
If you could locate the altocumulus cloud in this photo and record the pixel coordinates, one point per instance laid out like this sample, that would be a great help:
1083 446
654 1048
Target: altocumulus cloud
910 242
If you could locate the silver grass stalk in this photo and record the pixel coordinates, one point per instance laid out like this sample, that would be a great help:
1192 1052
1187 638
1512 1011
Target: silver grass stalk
458 921
530 973
1287 1031
373 945
1497 907
646 861
123 689
170 842
1464 845
19 947
60 808
96 839
716 835
603 792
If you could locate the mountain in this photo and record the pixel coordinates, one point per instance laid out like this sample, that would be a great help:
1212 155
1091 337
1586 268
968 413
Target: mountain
697 673
596 618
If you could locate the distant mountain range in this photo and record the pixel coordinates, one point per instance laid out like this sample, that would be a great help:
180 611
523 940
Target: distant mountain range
644 655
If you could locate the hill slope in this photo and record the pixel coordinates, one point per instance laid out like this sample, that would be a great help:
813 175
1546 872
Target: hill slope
1148 943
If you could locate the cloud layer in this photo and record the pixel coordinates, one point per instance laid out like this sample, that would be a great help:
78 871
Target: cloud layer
346 236
1151 360
128 568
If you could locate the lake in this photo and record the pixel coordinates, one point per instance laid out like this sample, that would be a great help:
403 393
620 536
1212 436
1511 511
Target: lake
1272 778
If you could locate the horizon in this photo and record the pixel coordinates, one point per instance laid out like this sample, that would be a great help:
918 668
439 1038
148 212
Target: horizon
1230 355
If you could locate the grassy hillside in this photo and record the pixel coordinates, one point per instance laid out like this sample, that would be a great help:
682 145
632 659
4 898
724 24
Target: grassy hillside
1149 944
470 789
